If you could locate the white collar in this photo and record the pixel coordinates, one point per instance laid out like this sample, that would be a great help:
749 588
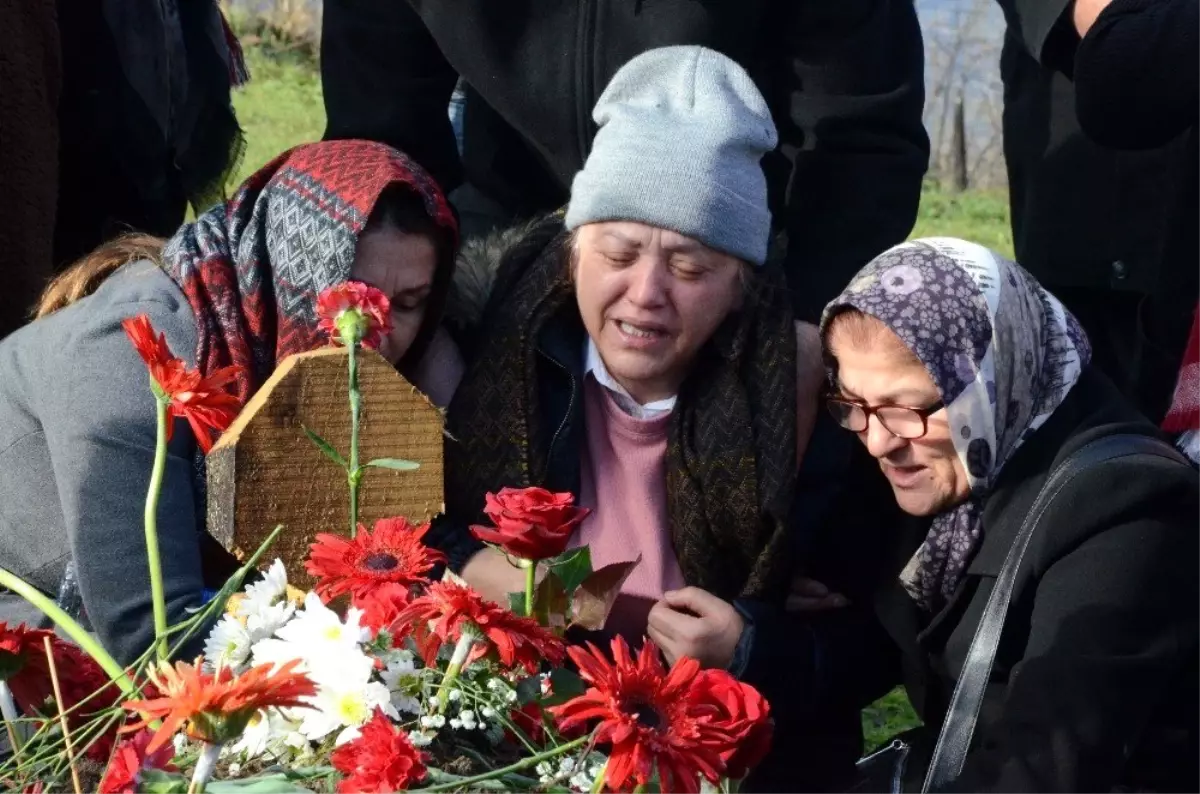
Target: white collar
592 363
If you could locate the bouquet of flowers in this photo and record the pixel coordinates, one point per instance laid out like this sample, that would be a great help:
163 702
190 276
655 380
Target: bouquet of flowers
380 678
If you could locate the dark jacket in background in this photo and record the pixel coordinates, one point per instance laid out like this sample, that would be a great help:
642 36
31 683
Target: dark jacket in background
1138 76
844 79
1109 225
30 81
146 119
1095 680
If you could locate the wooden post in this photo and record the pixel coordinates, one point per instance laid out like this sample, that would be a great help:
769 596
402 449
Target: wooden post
958 150
264 471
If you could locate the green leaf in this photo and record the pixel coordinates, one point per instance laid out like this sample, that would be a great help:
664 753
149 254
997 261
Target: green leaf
594 598
572 567
325 447
516 603
529 689
156 781
564 685
260 784
395 464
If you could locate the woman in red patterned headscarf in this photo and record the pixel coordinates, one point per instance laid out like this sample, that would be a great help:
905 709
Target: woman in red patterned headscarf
236 287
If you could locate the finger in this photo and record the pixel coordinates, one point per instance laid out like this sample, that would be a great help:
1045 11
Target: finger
665 644
662 620
807 604
803 586
682 627
695 600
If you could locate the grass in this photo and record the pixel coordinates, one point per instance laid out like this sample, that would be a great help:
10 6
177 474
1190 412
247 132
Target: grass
282 107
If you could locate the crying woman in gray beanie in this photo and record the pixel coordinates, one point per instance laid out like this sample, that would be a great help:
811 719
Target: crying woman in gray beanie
642 357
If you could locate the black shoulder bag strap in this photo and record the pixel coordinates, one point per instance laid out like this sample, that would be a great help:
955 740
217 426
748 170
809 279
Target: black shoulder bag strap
959 726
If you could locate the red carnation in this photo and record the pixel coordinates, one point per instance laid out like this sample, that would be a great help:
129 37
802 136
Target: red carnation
355 312
130 759
391 552
739 711
203 401
381 759
449 609
531 523
23 664
24 668
648 715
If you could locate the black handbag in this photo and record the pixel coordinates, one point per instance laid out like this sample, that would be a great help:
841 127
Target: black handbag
883 770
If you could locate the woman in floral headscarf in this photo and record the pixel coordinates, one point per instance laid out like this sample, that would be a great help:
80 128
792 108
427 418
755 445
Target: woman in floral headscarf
236 288
968 383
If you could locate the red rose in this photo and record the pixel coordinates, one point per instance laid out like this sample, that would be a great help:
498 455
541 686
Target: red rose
739 711
531 523
356 309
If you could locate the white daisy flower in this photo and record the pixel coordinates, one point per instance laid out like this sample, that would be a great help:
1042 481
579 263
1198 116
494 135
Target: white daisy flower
228 644
266 591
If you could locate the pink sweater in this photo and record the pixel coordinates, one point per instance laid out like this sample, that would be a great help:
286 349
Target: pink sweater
624 482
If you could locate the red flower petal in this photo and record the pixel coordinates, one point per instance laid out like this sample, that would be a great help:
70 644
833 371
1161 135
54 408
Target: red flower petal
381 759
393 552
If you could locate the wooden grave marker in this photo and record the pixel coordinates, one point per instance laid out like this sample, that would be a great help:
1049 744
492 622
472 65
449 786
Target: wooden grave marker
264 471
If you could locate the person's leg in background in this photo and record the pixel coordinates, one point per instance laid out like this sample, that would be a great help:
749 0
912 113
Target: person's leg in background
30 82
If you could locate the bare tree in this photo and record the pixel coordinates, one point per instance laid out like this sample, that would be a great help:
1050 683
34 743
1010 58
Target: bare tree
962 55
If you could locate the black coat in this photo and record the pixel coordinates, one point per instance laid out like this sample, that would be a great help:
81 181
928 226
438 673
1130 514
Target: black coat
1095 680
1104 193
844 80
1090 209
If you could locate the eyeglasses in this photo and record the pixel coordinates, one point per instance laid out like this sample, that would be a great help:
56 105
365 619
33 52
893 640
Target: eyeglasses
900 421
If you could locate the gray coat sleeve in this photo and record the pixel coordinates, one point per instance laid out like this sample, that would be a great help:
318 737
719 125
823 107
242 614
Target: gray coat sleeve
100 429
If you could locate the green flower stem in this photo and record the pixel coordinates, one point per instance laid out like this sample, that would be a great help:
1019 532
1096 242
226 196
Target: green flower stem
8 708
353 472
530 567
524 763
461 651
204 767
598 785
71 629
151 526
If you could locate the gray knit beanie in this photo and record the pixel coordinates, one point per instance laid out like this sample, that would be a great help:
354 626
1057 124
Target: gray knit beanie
682 131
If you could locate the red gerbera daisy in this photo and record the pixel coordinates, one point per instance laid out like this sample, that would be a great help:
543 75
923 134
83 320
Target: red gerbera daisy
356 311
449 609
125 767
203 401
648 716
383 605
381 759
392 552
215 707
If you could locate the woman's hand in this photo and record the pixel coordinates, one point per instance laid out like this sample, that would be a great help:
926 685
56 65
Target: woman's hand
493 576
693 622
809 595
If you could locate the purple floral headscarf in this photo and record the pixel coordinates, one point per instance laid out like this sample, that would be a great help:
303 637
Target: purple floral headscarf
1003 353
